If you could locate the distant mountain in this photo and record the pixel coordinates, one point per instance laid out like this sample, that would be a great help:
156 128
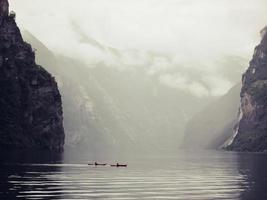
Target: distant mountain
109 108
30 102
251 131
211 127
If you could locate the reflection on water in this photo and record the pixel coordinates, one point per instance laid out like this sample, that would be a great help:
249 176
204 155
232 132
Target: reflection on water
13 167
254 169
191 175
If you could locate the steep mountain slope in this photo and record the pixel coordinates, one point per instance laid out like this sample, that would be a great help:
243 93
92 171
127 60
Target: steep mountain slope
77 117
215 124
30 103
251 132
108 108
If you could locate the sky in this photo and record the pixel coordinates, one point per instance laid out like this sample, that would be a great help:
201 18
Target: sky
186 43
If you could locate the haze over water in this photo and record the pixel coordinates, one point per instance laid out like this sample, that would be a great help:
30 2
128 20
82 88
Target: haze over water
189 175
131 75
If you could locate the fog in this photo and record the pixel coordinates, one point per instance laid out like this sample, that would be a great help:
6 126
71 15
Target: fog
192 34
172 57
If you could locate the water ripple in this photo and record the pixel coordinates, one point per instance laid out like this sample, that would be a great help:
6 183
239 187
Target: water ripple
84 182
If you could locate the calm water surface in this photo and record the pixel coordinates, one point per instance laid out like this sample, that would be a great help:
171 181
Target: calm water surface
189 175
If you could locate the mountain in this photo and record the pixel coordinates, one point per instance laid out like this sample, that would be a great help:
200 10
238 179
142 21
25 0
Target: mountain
211 127
30 102
251 131
109 108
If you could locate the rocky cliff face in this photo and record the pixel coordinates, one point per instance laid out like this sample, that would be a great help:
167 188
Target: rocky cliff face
3 8
30 102
251 132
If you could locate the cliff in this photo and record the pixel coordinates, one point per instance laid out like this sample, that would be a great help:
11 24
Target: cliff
251 131
214 124
116 109
30 102
4 8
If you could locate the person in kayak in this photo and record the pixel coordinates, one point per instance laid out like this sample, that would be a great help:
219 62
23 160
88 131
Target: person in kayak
118 165
100 164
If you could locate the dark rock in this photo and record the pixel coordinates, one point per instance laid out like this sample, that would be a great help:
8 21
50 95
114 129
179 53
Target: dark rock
4 8
30 102
251 132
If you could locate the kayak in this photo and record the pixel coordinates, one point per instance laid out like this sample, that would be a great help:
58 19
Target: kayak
118 165
101 164
104 164
98 164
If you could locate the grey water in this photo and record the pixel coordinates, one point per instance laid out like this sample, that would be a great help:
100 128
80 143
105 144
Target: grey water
201 175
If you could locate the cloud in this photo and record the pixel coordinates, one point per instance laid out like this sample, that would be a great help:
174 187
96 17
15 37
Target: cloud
196 28
186 37
218 85
183 83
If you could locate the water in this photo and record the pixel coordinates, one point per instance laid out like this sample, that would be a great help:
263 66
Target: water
188 175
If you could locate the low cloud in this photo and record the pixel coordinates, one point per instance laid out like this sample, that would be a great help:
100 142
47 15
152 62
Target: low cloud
183 83
183 42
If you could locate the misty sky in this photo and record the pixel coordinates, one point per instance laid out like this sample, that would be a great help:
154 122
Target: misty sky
175 39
